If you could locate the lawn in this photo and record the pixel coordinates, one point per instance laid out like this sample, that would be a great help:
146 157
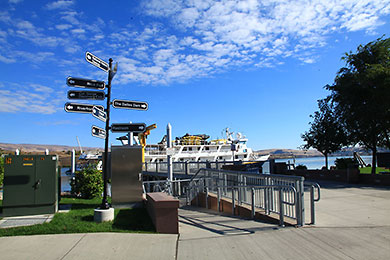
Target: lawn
367 170
80 220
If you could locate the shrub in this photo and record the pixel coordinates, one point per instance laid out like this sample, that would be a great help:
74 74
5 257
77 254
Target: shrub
87 183
345 163
301 167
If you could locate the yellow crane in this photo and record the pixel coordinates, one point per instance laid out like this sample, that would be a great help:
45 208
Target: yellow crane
142 139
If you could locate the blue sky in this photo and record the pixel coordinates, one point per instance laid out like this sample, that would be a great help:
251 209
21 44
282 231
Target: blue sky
257 67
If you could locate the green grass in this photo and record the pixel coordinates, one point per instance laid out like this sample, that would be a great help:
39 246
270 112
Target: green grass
80 220
367 170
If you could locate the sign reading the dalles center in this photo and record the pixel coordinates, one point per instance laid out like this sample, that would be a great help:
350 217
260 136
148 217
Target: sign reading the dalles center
128 104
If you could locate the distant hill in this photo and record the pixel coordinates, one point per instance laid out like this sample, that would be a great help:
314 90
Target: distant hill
288 153
31 148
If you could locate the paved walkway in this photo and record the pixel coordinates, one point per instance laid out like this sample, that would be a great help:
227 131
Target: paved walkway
352 223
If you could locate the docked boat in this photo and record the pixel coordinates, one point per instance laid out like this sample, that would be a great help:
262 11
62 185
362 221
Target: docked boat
197 148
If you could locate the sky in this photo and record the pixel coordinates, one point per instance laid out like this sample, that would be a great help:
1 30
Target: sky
257 67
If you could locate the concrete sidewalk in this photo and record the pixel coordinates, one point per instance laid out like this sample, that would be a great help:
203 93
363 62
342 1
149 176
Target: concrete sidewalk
352 223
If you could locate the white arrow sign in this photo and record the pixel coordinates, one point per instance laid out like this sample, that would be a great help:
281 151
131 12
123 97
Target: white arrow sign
101 64
98 132
99 114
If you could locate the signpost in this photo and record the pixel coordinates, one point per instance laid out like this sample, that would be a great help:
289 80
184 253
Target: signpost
90 95
127 104
98 132
85 83
99 113
124 128
80 108
97 62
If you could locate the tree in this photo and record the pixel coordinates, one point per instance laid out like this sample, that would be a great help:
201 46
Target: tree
325 134
361 92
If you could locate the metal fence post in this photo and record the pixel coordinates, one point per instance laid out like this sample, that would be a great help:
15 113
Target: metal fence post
281 208
219 199
157 166
207 197
253 203
312 205
233 202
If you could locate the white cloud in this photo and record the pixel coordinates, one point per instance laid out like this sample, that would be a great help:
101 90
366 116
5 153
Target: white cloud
14 1
29 98
61 4
63 26
205 37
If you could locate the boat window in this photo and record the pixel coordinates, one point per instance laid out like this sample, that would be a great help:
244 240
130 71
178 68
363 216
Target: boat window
245 150
236 156
207 148
185 149
190 149
245 155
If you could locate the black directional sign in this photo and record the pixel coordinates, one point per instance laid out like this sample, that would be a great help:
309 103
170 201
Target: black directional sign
101 64
98 132
85 83
99 113
123 128
127 104
80 108
90 95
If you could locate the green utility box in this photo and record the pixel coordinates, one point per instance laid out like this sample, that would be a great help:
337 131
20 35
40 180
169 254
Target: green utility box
30 185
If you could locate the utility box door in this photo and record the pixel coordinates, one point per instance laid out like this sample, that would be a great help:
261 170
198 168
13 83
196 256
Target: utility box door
19 174
126 167
46 179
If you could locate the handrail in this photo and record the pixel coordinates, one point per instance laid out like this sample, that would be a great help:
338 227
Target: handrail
281 188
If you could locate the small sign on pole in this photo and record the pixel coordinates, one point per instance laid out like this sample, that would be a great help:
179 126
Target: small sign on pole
97 61
85 83
80 108
128 104
89 95
124 128
98 132
99 113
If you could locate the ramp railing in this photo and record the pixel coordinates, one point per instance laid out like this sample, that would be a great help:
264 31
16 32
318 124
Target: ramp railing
278 194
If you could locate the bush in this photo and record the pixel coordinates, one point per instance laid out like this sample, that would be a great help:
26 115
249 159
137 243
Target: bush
301 167
87 183
345 163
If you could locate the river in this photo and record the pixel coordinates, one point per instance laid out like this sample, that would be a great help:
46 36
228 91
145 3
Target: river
319 162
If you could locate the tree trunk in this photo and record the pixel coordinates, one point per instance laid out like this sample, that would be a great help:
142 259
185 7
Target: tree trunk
326 161
373 165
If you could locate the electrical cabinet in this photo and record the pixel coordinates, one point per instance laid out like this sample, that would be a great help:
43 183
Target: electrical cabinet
30 185
126 169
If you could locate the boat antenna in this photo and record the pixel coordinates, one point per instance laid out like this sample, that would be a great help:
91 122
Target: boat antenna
78 141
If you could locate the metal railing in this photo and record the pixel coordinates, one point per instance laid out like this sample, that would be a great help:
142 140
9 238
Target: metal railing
187 167
279 194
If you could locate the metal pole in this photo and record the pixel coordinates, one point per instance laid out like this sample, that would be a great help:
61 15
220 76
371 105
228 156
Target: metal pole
105 162
233 202
219 199
169 157
281 209
207 197
253 203
73 162
312 209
